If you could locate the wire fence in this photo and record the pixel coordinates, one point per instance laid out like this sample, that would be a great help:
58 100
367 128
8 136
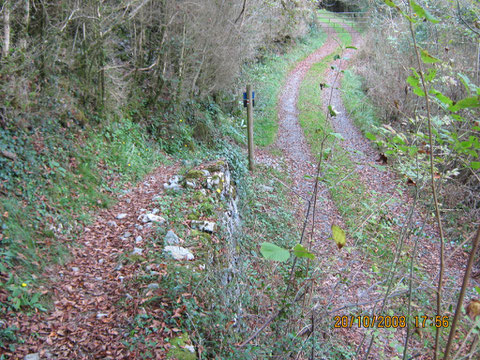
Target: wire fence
356 20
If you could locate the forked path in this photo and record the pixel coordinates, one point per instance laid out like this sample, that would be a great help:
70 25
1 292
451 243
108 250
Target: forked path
383 183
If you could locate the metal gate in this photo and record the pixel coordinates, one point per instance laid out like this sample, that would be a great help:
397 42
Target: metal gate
356 20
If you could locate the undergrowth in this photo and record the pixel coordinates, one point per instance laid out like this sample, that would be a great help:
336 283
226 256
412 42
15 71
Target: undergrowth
357 103
59 176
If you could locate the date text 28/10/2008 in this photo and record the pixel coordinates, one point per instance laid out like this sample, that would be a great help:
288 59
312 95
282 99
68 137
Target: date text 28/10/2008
388 321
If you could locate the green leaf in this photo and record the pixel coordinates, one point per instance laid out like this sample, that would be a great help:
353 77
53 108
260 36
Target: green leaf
273 252
350 47
444 99
338 136
370 136
390 3
301 252
470 102
423 13
336 57
413 81
331 111
419 92
427 58
339 236
431 74
475 165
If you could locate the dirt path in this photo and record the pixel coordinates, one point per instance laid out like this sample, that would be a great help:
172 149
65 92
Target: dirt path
292 142
88 321
384 183
332 292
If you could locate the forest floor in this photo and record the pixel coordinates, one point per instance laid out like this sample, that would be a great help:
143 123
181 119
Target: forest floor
87 322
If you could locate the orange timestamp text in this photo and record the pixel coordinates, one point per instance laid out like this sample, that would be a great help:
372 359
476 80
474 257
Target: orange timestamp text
388 321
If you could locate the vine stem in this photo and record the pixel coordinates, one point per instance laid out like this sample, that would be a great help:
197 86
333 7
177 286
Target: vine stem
466 277
432 176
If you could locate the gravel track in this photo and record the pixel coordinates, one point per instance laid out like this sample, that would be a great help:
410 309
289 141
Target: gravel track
291 139
332 292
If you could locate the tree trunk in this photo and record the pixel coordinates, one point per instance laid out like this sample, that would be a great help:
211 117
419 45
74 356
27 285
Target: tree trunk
26 24
6 29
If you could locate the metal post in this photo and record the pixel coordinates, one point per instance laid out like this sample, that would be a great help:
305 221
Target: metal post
250 127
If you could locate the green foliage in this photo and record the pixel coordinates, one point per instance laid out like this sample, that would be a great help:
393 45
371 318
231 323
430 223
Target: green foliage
358 105
423 13
273 252
427 58
21 296
300 252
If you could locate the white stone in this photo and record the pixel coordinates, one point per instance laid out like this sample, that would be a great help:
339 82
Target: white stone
190 184
145 218
137 251
138 239
153 286
75 269
121 216
171 238
155 211
179 253
190 348
206 226
35 356
101 315
173 186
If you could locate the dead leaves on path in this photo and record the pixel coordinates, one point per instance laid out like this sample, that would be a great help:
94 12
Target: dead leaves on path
95 303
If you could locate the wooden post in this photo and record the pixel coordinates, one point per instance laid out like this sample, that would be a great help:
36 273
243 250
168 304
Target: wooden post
250 127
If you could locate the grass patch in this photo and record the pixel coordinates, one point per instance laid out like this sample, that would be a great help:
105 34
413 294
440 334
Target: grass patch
357 103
